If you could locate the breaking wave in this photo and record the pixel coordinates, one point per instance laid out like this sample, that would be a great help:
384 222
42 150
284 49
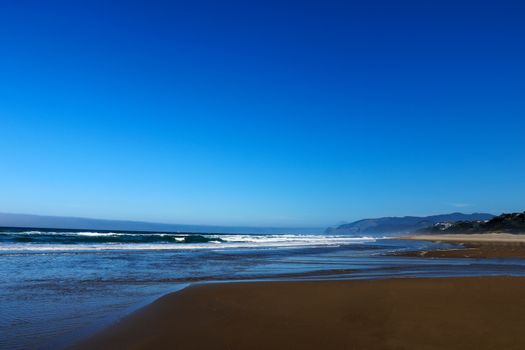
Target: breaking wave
74 241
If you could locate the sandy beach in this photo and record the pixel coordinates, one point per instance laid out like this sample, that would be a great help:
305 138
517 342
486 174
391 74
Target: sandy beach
441 313
493 245
473 238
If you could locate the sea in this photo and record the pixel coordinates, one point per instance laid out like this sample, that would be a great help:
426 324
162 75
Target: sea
59 286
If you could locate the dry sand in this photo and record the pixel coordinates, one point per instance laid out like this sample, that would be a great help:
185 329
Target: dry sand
493 245
485 237
442 313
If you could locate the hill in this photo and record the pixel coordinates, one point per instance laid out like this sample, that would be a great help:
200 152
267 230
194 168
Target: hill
504 223
402 225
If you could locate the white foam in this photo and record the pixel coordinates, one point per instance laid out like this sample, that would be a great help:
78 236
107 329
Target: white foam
228 242
67 233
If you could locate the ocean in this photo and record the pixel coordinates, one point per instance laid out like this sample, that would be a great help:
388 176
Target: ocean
61 285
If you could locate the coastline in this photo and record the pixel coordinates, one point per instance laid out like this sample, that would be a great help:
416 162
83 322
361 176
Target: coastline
355 263
472 238
430 313
478 246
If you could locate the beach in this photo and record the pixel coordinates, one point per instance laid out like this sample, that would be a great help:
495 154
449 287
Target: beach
248 175
472 238
390 313
435 313
478 246
269 291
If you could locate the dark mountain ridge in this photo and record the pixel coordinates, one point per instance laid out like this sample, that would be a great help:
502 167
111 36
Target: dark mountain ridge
402 225
504 223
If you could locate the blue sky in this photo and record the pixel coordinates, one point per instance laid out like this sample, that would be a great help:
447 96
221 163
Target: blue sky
261 113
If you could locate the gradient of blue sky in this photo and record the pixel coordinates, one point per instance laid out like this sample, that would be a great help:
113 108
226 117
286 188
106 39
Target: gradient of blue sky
261 112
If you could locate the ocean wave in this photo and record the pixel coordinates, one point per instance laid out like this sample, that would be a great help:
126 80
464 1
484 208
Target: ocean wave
80 241
93 237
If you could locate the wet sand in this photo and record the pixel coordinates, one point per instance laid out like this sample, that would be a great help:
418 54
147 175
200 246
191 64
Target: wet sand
495 245
441 313
472 238
474 251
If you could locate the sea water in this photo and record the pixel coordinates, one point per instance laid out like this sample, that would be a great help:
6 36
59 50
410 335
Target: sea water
58 285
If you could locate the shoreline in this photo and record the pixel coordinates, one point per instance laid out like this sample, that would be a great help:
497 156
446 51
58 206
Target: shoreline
126 333
407 313
108 321
477 246
466 238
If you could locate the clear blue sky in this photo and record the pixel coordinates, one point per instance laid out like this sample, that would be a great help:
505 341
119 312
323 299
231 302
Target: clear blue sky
261 113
